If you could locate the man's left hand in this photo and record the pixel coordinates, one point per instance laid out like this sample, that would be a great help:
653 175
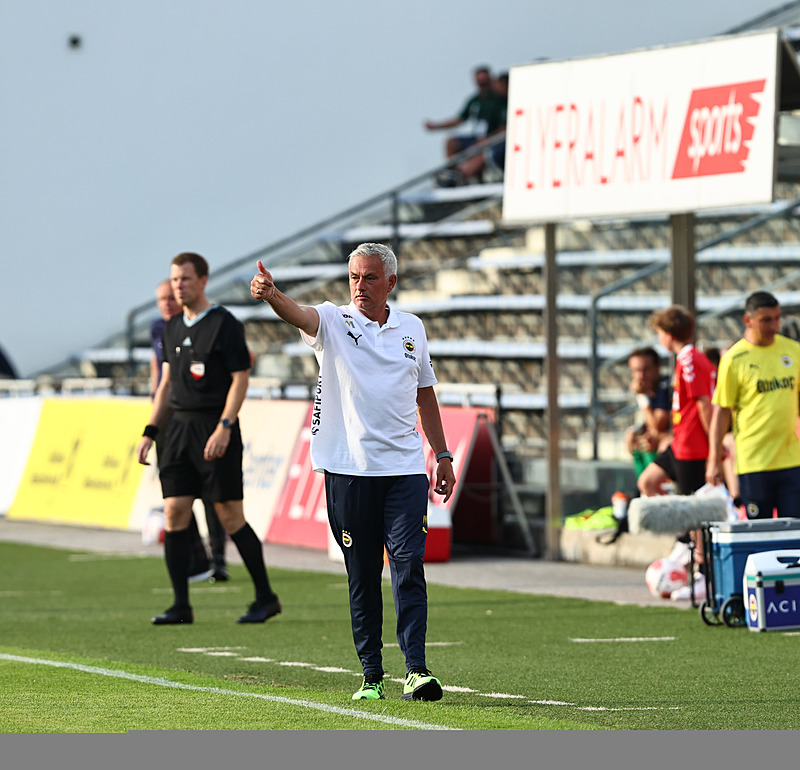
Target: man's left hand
217 443
445 479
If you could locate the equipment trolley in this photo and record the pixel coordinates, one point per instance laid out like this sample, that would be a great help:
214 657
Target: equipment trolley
726 546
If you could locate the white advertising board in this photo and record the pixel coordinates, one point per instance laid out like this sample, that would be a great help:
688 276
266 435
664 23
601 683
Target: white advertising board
19 418
269 433
663 130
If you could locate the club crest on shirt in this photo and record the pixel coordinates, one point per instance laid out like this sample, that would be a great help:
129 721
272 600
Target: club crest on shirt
197 369
410 348
786 361
347 539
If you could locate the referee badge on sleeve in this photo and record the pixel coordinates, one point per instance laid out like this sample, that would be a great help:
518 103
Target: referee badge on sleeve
197 369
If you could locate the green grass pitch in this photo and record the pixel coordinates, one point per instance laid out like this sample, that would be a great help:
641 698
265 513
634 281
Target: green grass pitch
78 654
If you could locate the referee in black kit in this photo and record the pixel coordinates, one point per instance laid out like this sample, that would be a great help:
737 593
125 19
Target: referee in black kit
203 385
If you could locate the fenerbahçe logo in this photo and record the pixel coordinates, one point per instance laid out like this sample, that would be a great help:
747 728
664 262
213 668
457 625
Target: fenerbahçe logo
410 348
786 361
753 608
347 539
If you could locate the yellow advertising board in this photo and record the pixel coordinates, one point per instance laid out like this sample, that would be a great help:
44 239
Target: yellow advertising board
82 466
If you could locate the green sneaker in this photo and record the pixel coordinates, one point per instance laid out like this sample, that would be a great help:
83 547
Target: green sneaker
370 691
422 685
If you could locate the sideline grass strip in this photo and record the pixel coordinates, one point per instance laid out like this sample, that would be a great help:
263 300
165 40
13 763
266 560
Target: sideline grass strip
506 659
351 713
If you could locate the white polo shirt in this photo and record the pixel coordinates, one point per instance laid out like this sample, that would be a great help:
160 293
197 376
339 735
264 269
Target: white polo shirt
365 405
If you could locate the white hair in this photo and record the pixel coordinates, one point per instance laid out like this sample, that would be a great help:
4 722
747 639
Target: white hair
385 254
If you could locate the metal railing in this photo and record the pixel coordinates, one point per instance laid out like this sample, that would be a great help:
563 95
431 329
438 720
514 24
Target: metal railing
595 411
306 246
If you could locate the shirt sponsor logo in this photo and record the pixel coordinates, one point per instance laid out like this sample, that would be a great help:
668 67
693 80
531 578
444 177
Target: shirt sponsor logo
776 383
718 129
784 606
316 413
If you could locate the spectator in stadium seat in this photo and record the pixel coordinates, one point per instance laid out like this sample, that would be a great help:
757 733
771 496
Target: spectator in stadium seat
472 169
758 389
203 386
375 374
654 398
202 568
483 114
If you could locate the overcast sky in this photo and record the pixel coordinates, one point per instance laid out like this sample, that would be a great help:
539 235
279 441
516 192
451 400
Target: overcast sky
221 127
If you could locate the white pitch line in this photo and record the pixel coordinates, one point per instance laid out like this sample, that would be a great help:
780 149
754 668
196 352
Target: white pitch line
208 649
160 682
447 688
629 639
211 589
627 708
99 556
428 644
501 695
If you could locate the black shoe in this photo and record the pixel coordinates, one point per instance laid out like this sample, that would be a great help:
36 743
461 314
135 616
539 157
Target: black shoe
258 612
173 616
220 574
199 577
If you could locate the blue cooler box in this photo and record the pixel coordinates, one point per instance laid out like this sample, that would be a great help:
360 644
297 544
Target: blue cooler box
771 587
733 541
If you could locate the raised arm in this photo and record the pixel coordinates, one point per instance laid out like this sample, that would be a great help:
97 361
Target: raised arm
304 317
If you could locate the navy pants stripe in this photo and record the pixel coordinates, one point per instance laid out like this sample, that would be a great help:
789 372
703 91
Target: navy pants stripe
367 513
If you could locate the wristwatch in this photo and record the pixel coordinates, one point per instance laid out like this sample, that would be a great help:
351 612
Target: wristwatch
226 423
446 454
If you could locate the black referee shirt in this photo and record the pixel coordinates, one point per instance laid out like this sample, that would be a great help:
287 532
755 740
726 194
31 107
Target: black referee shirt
202 357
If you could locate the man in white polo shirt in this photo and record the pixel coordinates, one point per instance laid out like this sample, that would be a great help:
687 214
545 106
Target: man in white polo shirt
374 374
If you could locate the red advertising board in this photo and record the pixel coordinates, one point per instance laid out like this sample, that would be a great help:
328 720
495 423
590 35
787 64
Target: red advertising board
300 516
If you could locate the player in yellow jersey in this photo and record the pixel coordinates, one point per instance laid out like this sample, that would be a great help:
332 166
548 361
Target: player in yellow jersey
758 389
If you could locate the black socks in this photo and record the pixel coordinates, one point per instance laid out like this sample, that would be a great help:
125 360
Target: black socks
178 556
251 551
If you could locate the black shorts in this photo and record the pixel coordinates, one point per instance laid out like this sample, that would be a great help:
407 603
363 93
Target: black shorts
183 470
689 475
